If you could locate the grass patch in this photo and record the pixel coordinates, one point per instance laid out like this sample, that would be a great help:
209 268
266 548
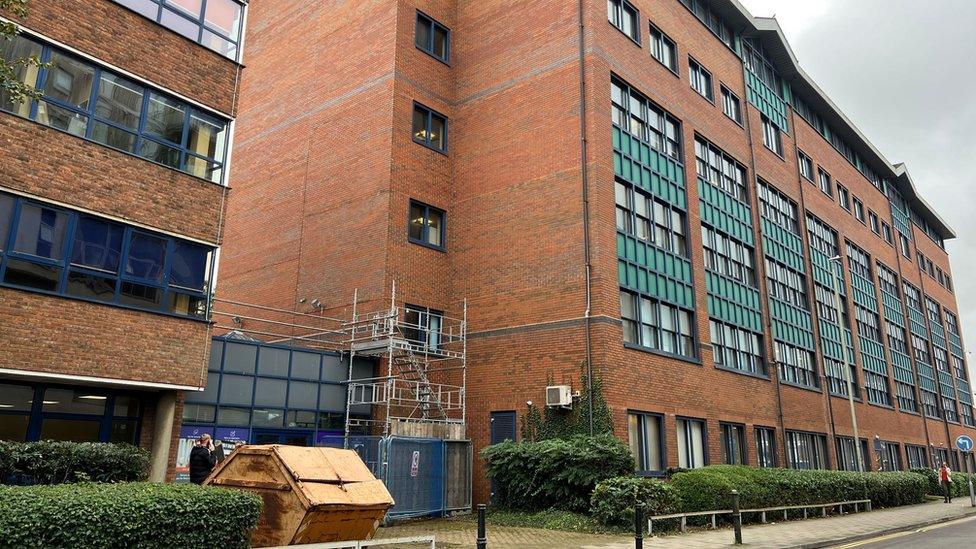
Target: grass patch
550 519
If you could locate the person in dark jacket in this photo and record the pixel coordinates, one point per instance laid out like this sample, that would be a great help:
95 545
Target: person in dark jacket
203 457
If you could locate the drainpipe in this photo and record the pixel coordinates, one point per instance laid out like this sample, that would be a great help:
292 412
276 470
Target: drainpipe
586 216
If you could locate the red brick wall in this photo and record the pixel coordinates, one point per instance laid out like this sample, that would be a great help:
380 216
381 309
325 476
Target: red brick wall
121 37
65 336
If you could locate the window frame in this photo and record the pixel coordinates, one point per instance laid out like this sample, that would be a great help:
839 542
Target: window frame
760 456
619 11
659 331
424 240
730 98
728 430
432 25
698 74
201 23
805 164
141 133
843 195
689 447
66 267
824 179
772 137
641 442
662 37
429 115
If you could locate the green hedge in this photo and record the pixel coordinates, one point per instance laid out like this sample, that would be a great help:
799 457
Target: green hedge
51 462
126 515
614 500
960 486
554 473
711 487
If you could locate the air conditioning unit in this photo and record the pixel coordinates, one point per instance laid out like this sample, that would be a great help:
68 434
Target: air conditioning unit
559 396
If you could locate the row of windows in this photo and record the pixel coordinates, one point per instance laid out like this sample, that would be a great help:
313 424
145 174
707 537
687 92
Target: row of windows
720 169
650 219
634 113
796 365
93 103
69 253
702 10
217 24
733 347
59 413
646 435
755 60
656 325
926 266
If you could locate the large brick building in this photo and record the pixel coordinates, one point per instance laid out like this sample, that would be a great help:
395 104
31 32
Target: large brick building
112 192
652 187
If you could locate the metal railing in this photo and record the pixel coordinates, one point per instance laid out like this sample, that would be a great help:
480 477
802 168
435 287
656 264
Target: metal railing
427 540
854 504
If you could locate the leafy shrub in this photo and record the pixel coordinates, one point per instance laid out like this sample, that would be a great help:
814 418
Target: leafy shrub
126 515
554 473
960 486
711 488
55 462
614 500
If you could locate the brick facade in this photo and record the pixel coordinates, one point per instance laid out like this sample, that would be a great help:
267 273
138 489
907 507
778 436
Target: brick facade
325 167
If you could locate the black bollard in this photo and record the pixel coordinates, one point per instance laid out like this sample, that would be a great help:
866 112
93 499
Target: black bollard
482 538
638 527
736 517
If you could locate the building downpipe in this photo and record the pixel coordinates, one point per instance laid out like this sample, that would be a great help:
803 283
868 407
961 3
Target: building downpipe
584 173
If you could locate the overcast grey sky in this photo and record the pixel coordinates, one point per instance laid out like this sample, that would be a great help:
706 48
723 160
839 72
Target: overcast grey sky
902 70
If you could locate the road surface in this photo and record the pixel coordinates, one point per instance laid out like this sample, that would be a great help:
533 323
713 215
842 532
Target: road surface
958 533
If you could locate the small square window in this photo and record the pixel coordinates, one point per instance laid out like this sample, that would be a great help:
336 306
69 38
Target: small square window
433 38
426 225
429 128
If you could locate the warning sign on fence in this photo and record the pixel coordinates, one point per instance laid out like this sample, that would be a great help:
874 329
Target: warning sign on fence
415 463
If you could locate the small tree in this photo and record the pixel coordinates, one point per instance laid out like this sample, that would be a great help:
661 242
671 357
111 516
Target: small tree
10 85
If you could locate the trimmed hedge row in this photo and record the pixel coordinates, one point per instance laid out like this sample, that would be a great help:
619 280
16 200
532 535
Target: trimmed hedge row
126 515
54 462
711 487
614 500
960 486
554 473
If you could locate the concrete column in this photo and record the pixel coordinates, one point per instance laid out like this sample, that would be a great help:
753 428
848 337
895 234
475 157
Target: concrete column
162 435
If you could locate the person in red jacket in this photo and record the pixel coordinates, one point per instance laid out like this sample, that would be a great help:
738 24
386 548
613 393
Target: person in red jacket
945 479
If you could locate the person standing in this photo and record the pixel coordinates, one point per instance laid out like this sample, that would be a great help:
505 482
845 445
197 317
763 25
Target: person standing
203 457
945 478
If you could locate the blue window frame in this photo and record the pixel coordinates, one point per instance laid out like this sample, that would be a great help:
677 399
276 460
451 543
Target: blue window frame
87 101
50 249
433 38
429 128
216 24
42 412
426 225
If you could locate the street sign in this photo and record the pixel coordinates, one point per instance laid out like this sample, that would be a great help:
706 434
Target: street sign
964 443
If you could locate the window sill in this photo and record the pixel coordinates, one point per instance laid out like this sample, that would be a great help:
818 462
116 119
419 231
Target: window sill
430 54
776 154
742 372
705 97
426 146
652 351
421 243
817 390
669 69
737 122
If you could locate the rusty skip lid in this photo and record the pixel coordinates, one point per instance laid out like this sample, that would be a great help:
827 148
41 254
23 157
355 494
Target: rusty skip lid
328 465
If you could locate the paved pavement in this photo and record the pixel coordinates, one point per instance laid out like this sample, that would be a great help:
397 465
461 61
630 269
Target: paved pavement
958 533
454 533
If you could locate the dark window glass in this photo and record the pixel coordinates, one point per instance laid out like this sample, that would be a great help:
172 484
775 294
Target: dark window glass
73 430
236 390
733 444
273 362
6 214
32 275
13 427
623 15
731 105
69 81
190 266
119 102
270 392
302 395
239 357
11 50
429 128
304 365
432 37
123 431
765 447
166 118
664 49
90 286
771 136
147 256
700 79
332 397
187 305
426 225
15 398
300 418
74 401
140 295
41 231
97 245
645 438
234 416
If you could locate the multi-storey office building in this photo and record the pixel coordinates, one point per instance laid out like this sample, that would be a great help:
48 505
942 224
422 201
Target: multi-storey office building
111 206
651 187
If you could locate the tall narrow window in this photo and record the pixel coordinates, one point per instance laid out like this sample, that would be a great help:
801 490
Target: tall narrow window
771 136
429 128
875 224
731 105
645 432
426 225
765 447
623 15
806 450
806 166
825 184
700 79
691 443
858 209
664 49
433 38
733 444
843 196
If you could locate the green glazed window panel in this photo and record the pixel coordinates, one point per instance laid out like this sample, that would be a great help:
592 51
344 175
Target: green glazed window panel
872 356
724 201
863 292
916 323
830 341
955 344
892 309
937 337
902 367
654 284
822 271
790 333
965 393
900 221
726 223
648 169
766 100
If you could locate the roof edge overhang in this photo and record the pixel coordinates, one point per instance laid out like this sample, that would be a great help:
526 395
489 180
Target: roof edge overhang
770 34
